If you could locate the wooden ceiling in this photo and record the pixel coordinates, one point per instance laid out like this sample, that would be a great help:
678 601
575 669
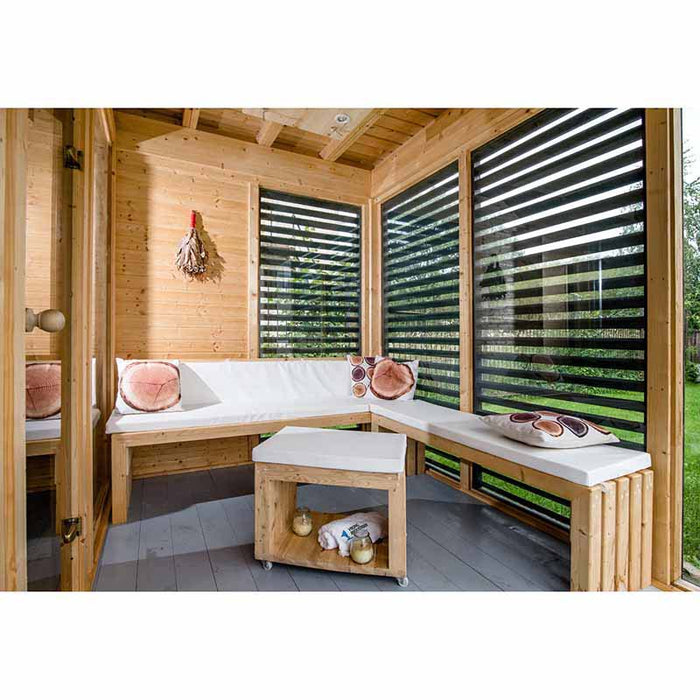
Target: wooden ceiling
369 137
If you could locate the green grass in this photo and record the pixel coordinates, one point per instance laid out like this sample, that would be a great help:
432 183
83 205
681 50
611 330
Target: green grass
691 481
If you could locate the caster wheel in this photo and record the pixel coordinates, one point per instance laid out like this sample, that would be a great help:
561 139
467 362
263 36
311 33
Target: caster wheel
267 565
403 582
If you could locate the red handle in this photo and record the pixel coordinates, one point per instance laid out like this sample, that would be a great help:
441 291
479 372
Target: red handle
193 219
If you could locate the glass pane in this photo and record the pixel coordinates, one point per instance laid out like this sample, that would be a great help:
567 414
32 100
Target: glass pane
100 237
309 277
691 230
420 270
47 207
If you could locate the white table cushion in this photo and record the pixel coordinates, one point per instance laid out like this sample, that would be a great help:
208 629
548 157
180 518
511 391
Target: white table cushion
50 428
229 413
334 449
586 466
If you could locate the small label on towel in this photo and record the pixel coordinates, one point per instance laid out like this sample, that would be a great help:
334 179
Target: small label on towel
353 529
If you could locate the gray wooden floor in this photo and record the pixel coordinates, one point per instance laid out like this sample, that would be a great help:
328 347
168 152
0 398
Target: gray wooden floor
194 532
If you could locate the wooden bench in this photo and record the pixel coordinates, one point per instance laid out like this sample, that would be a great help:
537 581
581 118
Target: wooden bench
611 522
610 489
123 445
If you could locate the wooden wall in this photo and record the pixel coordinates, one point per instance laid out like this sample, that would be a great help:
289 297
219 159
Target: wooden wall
44 269
162 172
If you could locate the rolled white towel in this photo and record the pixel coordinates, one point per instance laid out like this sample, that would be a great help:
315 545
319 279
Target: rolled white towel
338 533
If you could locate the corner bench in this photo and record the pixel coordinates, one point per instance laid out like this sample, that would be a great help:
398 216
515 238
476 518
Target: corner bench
610 488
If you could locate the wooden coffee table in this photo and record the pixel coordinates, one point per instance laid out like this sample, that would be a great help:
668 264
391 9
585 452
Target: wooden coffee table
332 458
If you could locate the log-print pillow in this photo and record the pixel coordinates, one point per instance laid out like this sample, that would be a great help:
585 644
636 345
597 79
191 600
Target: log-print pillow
382 378
361 371
549 429
148 386
43 390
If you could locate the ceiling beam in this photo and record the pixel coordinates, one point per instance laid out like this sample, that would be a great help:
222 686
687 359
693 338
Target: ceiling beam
269 131
335 148
190 118
108 123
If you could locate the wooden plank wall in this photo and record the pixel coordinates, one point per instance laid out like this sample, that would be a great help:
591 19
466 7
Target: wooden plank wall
162 172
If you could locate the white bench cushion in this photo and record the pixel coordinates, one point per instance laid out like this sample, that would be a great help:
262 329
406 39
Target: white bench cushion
264 381
50 428
229 413
586 466
334 449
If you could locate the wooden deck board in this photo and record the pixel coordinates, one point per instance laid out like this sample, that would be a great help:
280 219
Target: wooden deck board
195 531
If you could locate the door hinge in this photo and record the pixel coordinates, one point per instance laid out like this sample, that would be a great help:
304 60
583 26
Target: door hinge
70 529
72 158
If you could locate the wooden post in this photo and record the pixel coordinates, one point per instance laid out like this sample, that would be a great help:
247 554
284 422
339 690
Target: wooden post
622 534
121 479
13 192
665 336
608 532
75 484
376 286
586 524
253 270
397 526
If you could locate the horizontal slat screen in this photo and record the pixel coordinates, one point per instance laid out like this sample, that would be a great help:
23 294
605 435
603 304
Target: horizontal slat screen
420 247
309 277
560 269
420 229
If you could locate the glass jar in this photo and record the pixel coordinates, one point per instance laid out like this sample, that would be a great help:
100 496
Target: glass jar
302 523
361 547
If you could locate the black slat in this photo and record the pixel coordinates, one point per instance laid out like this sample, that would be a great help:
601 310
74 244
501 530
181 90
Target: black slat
512 136
412 193
630 363
565 342
546 189
561 147
564 378
599 149
540 139
624 179
615 262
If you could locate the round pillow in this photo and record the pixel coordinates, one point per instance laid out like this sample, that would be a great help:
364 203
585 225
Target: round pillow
391 380
150 386
43 390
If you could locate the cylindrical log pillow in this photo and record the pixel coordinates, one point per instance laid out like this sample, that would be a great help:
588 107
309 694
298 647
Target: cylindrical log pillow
43 390
391 380
148 386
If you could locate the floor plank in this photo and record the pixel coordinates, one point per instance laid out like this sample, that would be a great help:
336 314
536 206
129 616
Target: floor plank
195 531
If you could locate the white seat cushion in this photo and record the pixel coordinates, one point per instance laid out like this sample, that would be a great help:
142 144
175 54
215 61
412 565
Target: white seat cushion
50 428
586 466
334 449
229 413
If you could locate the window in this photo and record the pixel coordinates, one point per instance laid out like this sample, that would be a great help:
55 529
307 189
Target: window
420 248
559 272
309 277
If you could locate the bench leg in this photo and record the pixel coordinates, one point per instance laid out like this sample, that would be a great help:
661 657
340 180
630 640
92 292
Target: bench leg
611 527
420 458
275 502
121 480
397 527
586 536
